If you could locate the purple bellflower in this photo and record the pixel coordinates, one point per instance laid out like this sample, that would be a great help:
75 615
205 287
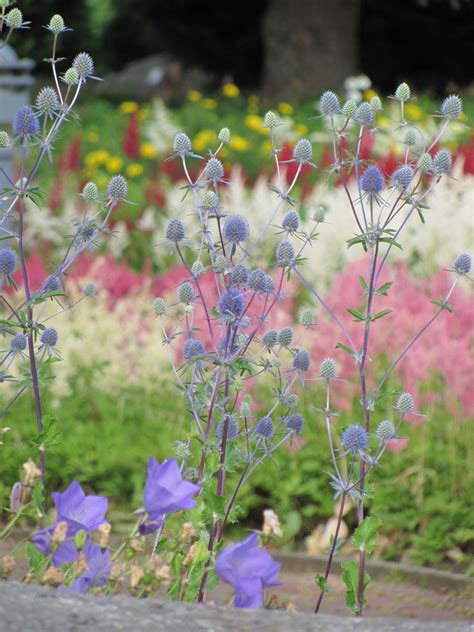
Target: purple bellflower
248 569
98 561
165 492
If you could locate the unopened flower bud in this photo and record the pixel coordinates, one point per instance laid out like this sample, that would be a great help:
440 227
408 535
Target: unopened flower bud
403 92
271 524
187 532
7 565
104 534
224 135
52 577
60 532
80 539
32 472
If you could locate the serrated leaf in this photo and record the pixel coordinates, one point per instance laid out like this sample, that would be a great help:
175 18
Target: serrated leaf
350 577
36 560
48 437
365 536
37 498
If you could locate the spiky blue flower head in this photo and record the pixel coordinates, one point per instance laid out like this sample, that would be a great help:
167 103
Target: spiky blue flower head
301 361
328 369
175 231
25 122
52 284
245 410
18 343
355 438
385 430
295 422
186 292
239 274
375 103
320 214
117 188
303 151
198 268
8 261
349 108
402 177
285 336
182 144
425 162
232 429
90 289
410 138
270 338
372 180
231 304
71 78
403 92
307 318
159 306
193 348
405 404
271 120
49 337
442 162
236 229
462 263
329 103
364 114
47 101
90 192
14 19
291 221
56 24
257 280
224 135
451 107
214 170
264 427
4 138
284 253
269 284
83 64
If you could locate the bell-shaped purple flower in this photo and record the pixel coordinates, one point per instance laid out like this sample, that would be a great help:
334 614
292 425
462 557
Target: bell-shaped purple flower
165 492
249 570
98 561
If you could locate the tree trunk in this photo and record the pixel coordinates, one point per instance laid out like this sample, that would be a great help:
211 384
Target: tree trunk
309 46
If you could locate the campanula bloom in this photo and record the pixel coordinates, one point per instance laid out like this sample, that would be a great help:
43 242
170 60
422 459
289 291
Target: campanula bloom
249 570
98 561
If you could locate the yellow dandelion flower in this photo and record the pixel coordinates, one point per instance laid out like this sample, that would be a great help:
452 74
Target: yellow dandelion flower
203 139
209 104
114 164
101 156
134 170
285 108
148 151
254 122
128 107
368 94
383 121
239 144
301 129
266 147
413 111
194 96
230 90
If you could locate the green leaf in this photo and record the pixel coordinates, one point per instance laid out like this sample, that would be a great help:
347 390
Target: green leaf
36 560
350 577
345 348
49 435
365 536
363 283
381 314
359 317
322 583
383 289
37 497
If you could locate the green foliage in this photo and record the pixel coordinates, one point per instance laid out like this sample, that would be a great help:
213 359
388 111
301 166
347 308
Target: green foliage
365 536
350 577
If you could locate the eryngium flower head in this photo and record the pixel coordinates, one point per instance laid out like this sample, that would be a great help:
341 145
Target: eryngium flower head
364 114
319 214
249 570
214 170
90 192
18 343
239 274
232 429
307 318
402 177
90 289
442 162
271 120
47 101
462 263
4 138
186 292
291 221
264 427
270 338
56 24
209 201
257 280
83 64
52 284
236 229
452 107
425 162
405 404
175 231
329 103
303 151
410 138
117 188
285 336
284 253
231 304
385 430
14 19
71 77
49 337
295 422
403 92
301 361
8 261
224 135
268 284
372 180
182 144
349 108
25 122
159 306
328 369
375 103
193 348
245 409
355 438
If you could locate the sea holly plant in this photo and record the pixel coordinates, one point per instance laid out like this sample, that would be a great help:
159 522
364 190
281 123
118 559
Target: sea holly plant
30 343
